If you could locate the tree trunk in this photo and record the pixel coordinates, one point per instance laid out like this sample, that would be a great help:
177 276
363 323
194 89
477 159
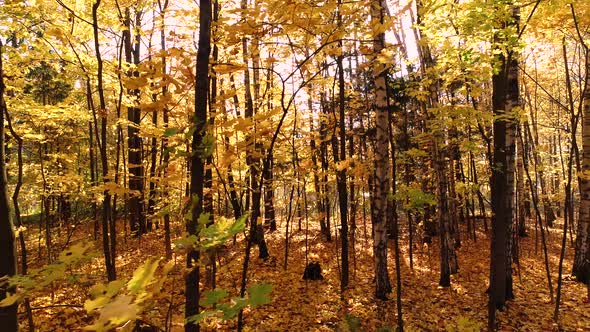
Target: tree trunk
198 158
107 231
581 267
448 257
341 174
269 207
252 161
505 98
17 214
8 315
165 118
135 163
382 181
520 189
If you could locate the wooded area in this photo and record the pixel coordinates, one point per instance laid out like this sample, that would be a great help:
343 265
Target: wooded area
295 165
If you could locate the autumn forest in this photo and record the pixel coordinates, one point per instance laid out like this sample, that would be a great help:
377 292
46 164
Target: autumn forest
294 165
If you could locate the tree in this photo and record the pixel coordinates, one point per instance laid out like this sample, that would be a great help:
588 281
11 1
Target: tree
382 183
198 158
505 102
581 267
8 314
134 161
109 233
340 155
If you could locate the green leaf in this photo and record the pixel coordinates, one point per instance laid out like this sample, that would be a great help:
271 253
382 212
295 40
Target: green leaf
195 319
170 132
353 323
204 219
259 294
188 241
231 311
239 225
213 297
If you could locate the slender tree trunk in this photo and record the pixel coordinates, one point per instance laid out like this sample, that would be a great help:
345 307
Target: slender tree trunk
92 175
233 194
316 178
395 231
134 160
341 174
15 200
253 161
539 222
106 204
208 185
8 315
325 197
165 119
198 159
568 216
520 188
448 257
152 179
269 208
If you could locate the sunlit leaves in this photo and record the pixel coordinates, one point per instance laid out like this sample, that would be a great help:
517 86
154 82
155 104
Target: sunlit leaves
101 294
415 198
217 304
9 300
142 277
215 234
117 304
39 278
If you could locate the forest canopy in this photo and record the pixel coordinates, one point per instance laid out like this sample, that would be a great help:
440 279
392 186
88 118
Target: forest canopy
295 165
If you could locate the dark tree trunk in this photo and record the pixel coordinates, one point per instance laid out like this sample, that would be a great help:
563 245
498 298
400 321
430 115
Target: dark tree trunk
505 98
325 197
269 207
253 162
134 160
448 257
152 182
108 231
8 315
165 118
15 200
341 156
198 160
211 269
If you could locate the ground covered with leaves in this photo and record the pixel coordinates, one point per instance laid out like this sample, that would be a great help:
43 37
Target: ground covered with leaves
300 305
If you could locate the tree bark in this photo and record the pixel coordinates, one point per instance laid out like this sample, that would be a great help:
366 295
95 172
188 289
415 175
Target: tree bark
252 161
135 163
198 158
108 231
382 181
8 315
505 98
165 119
341 156
581 267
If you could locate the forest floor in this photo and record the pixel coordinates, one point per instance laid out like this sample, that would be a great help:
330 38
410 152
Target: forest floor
299 305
